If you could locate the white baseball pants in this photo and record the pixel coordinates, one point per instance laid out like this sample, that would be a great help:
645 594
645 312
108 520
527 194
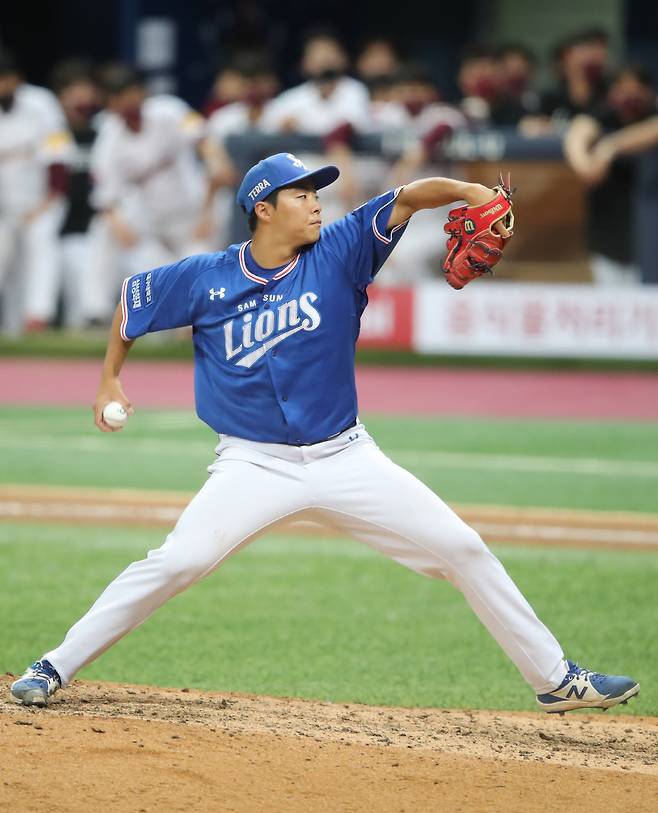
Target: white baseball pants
29 267
42 266
74 260
347 483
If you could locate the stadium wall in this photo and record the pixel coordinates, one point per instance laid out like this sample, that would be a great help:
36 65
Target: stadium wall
573 321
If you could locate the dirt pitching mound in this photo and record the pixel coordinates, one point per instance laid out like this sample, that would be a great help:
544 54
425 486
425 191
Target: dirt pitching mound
139 748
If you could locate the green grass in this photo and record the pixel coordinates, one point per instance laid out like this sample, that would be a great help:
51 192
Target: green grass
327 619
609 465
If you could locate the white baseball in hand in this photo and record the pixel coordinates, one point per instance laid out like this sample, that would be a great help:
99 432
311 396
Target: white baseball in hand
114 414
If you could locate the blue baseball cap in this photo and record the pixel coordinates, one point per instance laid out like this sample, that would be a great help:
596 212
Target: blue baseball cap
276 171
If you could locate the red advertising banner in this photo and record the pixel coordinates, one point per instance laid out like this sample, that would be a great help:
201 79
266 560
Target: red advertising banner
387 321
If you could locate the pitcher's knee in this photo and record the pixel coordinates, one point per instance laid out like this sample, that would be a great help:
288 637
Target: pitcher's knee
456 550
467 548
180 568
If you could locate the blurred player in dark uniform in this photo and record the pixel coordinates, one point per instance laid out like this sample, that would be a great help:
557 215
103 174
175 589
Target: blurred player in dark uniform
599 147
581 64
517 66
486 100
80 99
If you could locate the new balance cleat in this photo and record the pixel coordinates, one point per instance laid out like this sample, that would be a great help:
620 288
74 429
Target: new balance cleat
37 685
582 689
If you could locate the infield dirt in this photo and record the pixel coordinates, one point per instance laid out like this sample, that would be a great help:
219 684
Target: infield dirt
508 524
138 748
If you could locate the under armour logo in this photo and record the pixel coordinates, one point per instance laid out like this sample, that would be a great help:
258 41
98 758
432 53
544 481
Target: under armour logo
352 437
295 161
213 293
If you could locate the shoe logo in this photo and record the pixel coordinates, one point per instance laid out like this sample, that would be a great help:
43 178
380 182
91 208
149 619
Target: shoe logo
579 694
213 293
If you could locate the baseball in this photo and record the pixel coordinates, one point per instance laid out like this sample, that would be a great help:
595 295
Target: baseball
114 414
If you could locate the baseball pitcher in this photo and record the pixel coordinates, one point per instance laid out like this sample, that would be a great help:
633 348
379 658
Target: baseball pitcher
275 322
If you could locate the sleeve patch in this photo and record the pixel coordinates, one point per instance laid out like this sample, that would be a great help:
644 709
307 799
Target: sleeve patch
140 293
148 291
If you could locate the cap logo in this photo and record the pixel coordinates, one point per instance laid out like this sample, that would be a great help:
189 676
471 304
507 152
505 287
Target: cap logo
295 161
259 188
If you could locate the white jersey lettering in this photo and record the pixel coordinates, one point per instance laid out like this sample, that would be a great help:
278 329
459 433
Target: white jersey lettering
260 186
246 306
228 342
247 341
264 326
306 307
286 320
251 358
288 314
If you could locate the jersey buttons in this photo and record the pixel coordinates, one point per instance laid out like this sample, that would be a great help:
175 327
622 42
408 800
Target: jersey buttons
284 397
274 351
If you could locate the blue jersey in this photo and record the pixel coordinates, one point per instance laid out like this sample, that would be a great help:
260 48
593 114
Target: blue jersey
273 348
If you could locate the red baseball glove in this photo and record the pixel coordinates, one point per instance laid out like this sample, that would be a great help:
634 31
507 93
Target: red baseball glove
473 247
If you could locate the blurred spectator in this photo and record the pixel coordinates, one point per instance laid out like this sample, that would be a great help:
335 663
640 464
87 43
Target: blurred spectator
428 121
259 84
414 89
581 65
517 66
148 185
427 124
328 96
227 88
330 104
34 149
411 91
377 64
478 82
80 98
598 146
485 101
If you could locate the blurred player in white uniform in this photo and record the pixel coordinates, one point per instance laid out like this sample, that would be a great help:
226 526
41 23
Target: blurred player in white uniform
79 96
34 149
329 104
378 65
255 84
149 186
423 123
